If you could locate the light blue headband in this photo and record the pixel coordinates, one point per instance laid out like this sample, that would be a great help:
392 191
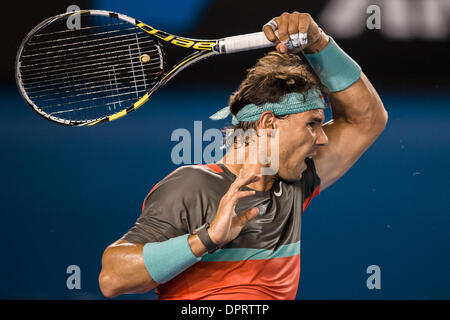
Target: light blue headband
293 102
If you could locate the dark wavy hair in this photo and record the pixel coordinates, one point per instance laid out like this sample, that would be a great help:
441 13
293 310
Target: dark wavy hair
273 76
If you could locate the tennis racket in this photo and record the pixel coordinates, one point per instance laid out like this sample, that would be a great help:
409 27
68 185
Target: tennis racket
108 67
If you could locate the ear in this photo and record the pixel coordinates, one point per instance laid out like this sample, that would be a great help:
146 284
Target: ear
267 121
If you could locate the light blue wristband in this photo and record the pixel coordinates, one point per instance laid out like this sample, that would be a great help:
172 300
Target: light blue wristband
165 260
335 69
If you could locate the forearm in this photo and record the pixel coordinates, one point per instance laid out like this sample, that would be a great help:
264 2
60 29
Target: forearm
197 247
123 270
359 105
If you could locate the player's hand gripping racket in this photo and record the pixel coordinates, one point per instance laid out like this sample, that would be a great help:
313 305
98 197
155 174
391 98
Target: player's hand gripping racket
108 67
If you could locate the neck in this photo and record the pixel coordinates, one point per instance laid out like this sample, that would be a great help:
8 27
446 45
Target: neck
264 184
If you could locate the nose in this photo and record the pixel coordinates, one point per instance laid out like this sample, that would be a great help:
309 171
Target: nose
322 138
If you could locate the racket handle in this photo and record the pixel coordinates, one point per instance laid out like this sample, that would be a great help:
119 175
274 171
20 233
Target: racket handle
245 42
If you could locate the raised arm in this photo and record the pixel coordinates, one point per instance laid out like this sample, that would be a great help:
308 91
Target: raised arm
358 119
359 116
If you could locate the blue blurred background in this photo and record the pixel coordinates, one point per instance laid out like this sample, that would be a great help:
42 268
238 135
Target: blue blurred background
67 193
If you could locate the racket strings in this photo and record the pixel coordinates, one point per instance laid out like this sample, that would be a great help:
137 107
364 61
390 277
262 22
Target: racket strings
82 28
91 72
48 92
107 58
98 68
53 41
75 49
76 60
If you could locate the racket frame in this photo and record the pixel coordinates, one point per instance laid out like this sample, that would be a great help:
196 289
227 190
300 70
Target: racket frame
205 49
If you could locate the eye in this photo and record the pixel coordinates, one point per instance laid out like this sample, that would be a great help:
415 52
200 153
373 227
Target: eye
311 124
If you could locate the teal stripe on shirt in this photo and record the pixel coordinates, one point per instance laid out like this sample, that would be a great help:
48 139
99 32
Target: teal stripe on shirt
239 254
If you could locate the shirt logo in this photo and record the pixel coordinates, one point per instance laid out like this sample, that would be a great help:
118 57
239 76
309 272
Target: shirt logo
279 191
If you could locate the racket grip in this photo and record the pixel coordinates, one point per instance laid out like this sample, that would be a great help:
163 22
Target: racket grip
244 42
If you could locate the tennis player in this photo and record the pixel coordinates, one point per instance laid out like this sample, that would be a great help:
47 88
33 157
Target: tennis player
228 231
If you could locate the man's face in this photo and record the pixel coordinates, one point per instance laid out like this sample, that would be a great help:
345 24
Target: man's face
301 134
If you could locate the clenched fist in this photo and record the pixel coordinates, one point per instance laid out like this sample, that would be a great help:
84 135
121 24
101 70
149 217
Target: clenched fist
296 31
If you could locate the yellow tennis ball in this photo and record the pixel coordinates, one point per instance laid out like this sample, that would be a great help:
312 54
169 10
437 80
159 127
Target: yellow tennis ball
144 58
